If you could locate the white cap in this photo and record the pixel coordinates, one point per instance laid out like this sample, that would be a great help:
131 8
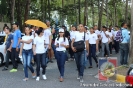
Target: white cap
61 30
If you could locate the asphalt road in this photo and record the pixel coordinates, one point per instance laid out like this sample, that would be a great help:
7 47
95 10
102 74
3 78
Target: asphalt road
14 80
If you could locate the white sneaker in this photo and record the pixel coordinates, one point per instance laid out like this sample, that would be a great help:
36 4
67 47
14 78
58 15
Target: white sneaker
37 78
44 77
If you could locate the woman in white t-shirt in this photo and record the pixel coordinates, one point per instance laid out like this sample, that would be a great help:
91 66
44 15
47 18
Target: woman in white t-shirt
38 49
27 53
61 44
80 56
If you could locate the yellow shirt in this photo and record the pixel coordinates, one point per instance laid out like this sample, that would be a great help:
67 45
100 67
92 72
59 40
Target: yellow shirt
5 38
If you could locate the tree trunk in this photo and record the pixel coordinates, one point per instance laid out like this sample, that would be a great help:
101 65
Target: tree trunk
79 10
131 38
11 4
45 9
107 12
27 8
19 8
85 12
100 15
126 11
93 17
49 9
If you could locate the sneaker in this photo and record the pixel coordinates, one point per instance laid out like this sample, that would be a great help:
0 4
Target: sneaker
51 61
44 77
4 69
13 70
33 75
37 78
78 77
81 79
25 79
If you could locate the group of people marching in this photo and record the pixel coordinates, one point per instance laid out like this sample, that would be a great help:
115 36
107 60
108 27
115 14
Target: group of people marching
81 43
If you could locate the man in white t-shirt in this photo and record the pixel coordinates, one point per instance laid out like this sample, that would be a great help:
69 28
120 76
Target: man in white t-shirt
93 47
48 41
105 41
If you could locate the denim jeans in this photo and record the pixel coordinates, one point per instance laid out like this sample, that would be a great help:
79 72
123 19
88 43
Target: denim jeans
61 58
8 56
124 51
41 60
14 56
92 53
54 49
105 45
80 60
27 58
85 63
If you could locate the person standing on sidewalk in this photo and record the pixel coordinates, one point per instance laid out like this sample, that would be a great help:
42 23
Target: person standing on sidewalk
38 49
27 53
93 47
61 44
8 47
80 55
116 43
124 44
105 41
110 40
15 46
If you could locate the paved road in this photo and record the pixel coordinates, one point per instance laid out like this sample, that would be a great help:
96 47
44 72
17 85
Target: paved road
14 80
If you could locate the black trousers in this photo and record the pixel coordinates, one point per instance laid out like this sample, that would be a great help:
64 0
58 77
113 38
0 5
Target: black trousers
110 47
14 57
8 56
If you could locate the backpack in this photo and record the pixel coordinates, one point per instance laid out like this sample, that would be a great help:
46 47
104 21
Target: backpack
119 37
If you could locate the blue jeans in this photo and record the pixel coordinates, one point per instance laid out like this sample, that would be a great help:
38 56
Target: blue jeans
27 57
85 63
61 58
92 53
54 49
41 60
105 45
80 60
124 51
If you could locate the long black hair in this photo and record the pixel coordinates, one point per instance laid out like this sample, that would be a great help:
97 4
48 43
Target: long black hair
63 37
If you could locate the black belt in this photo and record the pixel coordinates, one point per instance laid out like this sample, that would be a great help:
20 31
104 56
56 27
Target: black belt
27 50
92 44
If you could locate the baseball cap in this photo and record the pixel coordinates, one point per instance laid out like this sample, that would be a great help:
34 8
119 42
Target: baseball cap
61 30
15 23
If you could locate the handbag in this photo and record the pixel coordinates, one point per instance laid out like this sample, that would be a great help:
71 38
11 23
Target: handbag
80 45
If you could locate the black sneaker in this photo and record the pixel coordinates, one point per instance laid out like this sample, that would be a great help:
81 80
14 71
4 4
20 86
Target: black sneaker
4 69
51 61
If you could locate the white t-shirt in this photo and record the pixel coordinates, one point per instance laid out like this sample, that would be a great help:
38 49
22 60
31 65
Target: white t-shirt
92 38
72 34
97 32
61 41
27 46
110 36
78 36
104 38
39 42
47 34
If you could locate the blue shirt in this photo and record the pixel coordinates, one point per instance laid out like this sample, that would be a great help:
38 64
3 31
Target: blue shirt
125 35
16 36
8 40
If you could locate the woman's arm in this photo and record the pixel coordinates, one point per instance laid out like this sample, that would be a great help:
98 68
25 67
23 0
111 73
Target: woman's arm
21 48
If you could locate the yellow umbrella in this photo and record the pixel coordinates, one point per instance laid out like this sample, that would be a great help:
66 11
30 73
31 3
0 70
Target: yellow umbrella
36 23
